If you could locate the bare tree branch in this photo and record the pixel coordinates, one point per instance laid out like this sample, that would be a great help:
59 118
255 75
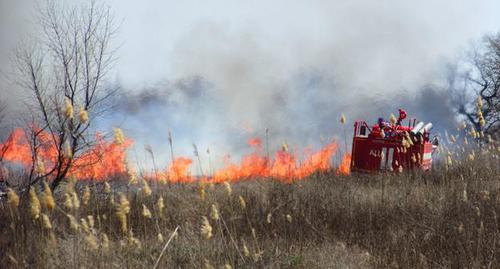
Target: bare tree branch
481 80
66 71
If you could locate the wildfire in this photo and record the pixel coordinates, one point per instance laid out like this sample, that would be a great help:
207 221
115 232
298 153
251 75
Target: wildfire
255 142
16 148
345 165
283 167
101 161
106 159
178 171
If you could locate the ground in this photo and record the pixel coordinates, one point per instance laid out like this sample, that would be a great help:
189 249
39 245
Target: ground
447 217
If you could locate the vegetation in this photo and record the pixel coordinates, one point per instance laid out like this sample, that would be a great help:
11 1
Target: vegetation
479 79
444 218
63 73
53 218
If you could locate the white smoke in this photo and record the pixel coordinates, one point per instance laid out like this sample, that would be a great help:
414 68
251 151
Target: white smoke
229 70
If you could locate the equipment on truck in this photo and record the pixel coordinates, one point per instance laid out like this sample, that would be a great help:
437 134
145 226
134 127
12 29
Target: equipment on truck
392 146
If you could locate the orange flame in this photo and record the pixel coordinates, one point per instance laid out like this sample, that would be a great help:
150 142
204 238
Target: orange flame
255 142
99 162
103 160
16 148
345 165
284 166
179 170
106 159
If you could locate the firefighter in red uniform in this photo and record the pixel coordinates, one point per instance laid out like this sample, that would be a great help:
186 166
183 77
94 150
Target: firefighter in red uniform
402 116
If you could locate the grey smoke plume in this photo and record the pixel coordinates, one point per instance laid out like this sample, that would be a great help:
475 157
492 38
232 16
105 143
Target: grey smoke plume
229 86
217 73
196 114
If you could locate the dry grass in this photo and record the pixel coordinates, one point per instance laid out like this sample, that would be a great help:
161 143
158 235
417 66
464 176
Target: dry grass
445 218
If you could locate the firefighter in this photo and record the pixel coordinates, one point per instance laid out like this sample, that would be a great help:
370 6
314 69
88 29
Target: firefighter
402 116
381 123
383 126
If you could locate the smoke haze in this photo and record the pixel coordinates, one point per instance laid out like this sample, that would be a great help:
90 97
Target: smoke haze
218 72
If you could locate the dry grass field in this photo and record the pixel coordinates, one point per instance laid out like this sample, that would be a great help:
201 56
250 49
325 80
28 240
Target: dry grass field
446 218
212 74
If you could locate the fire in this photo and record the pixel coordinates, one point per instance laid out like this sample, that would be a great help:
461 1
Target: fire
16 148
106 159
345 165
178 171
283 167
255 142
101 161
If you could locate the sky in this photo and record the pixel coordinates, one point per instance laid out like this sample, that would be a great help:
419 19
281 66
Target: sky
378 39
222 70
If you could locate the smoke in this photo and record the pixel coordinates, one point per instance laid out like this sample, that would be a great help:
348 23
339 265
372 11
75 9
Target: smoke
218 73
196 113
229 85
16 23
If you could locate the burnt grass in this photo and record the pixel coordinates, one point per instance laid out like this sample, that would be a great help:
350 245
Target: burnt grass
445 218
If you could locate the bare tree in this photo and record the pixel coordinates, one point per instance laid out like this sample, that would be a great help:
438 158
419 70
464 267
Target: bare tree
3 149
3 107
479 79
64 73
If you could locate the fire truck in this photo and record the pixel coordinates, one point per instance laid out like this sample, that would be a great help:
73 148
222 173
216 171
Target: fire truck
392 145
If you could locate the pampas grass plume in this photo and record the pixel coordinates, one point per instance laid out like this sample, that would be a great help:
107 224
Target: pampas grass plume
227 185
214 214
243 204
12 198
48 198
84 115
206 228
145 211
34 204
146 189
86 196
160 206
46 222
68 108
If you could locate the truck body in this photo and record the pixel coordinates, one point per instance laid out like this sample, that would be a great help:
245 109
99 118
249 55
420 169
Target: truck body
390 146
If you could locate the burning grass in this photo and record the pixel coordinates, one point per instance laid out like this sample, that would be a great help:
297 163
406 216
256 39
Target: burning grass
444 218
108 158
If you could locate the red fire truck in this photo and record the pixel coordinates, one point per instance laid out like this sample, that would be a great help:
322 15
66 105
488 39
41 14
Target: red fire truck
392 146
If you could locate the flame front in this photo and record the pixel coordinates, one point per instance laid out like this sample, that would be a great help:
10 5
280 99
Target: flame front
345 165
283 166
101 161
179 171
106 159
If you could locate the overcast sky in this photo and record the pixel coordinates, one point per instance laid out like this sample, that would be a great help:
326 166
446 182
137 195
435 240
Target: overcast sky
293 65
371 37
388 42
